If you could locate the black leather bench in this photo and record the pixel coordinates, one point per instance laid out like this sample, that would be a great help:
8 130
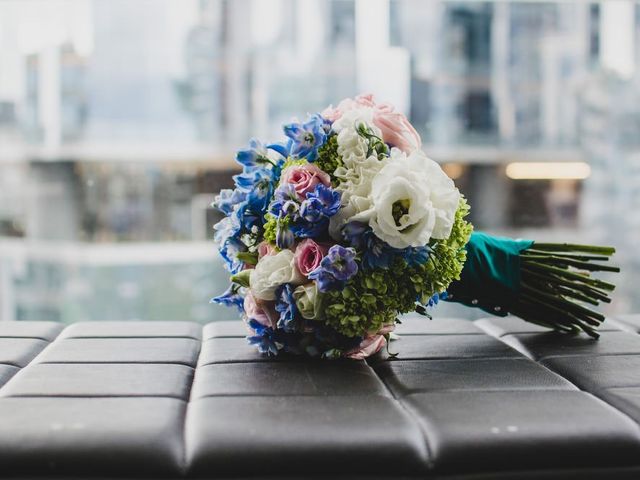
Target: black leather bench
496 398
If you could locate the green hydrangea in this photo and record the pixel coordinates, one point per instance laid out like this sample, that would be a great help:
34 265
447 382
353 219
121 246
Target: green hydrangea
271 226
293 162
374 298
269 233
328 158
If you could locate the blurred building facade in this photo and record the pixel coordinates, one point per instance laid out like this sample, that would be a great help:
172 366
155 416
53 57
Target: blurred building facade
118 126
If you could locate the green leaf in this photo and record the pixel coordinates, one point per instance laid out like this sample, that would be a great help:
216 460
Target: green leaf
242 278
248 257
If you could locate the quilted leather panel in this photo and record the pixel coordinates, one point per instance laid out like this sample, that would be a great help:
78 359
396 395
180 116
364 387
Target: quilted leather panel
232 350
314 378
138 399
544 345
493 431
626 399
423 347
224 329
595 373
122 350
500 326
133 330
42 330
19 351
101 380
309 435
409 376
6 372
628 322
118 436
412 325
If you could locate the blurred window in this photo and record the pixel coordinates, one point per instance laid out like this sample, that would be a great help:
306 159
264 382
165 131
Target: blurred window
119 120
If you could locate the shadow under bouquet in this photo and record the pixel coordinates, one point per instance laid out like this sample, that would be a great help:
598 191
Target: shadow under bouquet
333 233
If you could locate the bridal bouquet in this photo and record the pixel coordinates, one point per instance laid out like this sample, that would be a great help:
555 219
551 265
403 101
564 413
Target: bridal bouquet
333 233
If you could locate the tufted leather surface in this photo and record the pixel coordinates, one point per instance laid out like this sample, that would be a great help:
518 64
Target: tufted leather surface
495 398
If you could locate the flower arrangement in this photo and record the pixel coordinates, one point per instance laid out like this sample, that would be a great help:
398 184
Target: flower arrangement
333 233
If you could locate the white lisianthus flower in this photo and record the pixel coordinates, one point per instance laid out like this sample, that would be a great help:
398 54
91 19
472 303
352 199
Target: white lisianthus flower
412 201
309 301
273 271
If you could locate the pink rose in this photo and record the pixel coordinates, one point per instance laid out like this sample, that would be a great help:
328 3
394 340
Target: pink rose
387 329
308 256
396 129
365 100
369 346
265 249
304 178
255 311
332 113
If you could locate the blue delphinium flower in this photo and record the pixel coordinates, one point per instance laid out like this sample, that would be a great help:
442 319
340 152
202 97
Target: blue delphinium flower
286 307
256 186
436 297
311 210
416 255
353 234
252 177
283 148
314 213
284 237
265 338
230 298
245 216
376 252
261 193
229 251
335 269
227 236
303 229
306 137
285 201
326 124
307 219
322 201
227 198
228 227
257 154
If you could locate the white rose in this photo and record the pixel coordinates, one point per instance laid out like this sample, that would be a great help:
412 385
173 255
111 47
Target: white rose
309 301
412 201
273 271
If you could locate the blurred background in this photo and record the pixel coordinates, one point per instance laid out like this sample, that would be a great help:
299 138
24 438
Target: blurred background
119 120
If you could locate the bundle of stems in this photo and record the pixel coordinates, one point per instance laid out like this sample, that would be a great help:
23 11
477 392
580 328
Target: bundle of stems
557 287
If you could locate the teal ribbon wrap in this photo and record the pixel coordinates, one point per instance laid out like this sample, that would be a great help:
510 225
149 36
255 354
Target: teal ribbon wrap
490 279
